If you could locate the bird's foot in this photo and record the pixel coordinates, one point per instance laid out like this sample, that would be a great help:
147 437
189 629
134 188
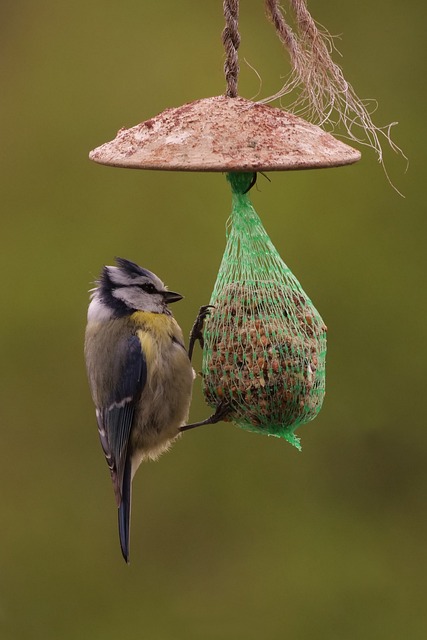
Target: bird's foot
221 411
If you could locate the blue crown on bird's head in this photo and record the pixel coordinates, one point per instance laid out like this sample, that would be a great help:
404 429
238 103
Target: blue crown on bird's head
132 269
123 275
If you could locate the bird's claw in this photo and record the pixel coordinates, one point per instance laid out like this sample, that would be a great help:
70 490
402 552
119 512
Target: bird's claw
223 408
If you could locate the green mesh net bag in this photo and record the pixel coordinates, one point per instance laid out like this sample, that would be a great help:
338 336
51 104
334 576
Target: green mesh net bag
264 341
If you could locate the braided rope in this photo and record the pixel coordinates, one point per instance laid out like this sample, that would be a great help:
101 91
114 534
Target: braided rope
231 41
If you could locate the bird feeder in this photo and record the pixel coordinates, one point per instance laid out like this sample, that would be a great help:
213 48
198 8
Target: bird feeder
264 343
224 134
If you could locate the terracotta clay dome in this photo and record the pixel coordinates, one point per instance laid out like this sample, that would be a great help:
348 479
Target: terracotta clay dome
224 134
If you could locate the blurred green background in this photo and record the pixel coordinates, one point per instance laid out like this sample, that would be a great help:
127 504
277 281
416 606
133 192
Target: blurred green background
234 535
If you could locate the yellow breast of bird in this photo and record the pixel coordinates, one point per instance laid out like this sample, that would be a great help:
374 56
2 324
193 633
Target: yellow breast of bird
167 393
162 344
155 331
158 322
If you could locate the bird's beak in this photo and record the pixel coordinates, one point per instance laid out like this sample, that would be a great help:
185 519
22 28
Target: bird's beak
172 296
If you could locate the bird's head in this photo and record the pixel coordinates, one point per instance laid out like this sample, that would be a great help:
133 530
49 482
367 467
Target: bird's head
127 287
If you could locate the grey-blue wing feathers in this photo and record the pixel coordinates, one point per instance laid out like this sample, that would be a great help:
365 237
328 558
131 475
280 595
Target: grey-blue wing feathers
114 426
116 418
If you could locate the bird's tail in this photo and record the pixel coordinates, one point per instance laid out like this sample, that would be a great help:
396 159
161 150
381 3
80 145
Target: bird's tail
124 509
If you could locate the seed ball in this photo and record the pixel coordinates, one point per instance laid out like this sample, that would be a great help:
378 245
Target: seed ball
264 354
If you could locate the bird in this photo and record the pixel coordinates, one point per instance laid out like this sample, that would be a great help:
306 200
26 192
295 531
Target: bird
140 375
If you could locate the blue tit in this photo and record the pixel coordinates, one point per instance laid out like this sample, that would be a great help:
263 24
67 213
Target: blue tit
139 373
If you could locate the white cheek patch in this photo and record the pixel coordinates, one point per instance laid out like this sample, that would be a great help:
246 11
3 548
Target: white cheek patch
135 298
131 296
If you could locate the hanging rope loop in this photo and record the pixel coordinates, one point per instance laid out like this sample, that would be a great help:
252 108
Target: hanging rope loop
231 41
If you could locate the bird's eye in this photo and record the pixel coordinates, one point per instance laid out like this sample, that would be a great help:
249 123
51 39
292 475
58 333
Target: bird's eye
148 287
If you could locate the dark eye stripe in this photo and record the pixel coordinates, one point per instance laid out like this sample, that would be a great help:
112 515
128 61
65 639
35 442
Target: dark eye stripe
148 288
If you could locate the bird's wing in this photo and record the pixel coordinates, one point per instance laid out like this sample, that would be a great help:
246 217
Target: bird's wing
115 419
